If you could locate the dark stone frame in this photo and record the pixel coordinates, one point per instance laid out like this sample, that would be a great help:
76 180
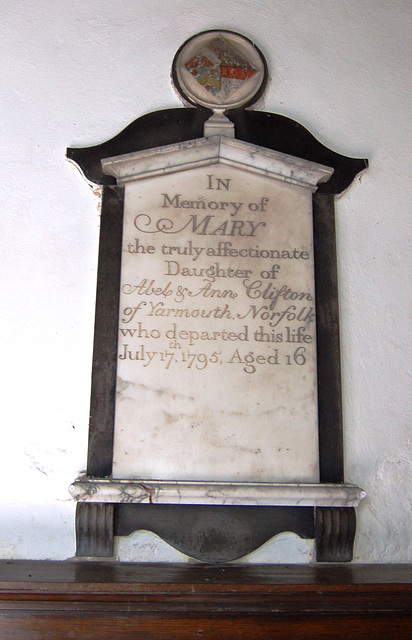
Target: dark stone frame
216 533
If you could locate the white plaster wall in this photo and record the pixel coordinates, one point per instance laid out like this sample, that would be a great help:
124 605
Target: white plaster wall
74 74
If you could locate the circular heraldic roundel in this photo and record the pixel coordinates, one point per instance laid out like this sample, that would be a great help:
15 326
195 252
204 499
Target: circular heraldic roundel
219 70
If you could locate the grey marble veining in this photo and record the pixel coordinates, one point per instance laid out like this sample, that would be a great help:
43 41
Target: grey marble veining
264 494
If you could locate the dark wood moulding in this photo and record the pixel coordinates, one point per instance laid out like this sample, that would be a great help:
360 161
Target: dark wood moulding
87 600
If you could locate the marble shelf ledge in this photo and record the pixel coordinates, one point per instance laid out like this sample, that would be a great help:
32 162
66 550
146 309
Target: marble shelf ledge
215 493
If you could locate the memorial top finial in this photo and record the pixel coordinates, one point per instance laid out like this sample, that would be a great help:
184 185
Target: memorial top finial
219 70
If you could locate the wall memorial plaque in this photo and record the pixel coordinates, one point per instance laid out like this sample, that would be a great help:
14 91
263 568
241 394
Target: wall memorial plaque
216 362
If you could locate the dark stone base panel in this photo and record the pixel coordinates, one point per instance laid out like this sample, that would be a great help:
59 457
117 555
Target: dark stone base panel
214 533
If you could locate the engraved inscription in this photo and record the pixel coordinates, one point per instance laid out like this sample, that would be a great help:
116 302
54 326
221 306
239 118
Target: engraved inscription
216 353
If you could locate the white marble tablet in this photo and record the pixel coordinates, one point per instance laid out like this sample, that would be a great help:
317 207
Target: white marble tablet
217 345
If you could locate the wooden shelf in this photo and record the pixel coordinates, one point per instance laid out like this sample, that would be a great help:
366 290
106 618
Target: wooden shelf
91 600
